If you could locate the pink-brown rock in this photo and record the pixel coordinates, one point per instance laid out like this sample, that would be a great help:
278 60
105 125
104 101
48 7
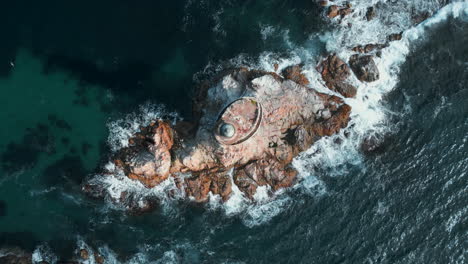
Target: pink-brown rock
334 72
364 68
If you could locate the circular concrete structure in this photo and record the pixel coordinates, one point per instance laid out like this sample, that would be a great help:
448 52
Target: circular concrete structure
238 121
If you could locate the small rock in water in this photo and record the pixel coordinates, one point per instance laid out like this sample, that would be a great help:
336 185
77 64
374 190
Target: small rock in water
369 48
372 144
334 72
396 36
333 11
16 259
364 68
276 66
420 17
370 14
99 259
84 254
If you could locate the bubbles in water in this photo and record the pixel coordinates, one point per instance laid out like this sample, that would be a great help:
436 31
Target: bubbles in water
122 129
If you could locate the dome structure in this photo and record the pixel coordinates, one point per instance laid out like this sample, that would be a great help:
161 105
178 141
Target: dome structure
238 121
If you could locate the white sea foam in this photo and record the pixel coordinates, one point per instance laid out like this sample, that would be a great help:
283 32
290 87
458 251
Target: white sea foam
267 31
116 184
368 116
122 129
104 252
218 28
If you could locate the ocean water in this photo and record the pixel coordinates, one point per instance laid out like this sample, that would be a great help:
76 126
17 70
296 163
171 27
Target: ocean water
76 79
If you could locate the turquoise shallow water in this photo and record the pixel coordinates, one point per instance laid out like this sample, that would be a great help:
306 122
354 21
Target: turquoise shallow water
68 70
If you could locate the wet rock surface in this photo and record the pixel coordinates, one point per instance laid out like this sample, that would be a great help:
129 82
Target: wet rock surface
11 259
369 48
20 256
370 13
334 72
373 144
294 73
395 36
377 47
364 67
250 125
342 11
14 256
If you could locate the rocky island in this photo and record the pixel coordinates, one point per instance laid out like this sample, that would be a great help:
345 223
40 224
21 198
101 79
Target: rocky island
248 127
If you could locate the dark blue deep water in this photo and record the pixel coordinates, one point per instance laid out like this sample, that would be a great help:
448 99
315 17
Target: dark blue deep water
69 67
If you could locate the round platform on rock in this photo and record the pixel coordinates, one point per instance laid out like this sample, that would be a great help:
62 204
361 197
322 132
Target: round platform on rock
238 121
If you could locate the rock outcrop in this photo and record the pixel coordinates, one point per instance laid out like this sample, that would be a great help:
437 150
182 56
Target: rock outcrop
334 72
369 48
342 11
248 127
294 73
364 67
370 13
376 47
14 256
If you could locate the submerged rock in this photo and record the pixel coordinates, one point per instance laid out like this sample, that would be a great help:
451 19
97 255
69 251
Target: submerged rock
294 73
333 11
334 72
249 126
364 67
370 13
374 144
84 254
15 256
395 36
369 48
21 256
323 3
